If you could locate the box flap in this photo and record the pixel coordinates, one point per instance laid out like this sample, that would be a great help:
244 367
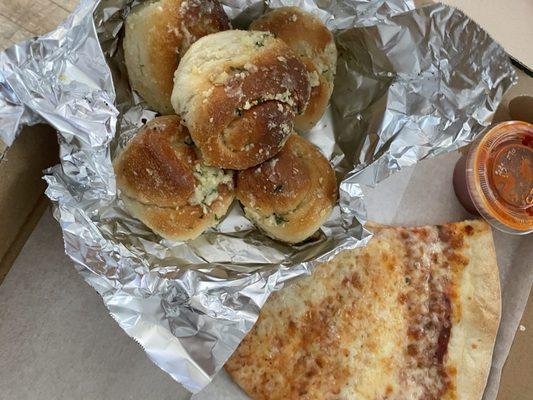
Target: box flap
509 22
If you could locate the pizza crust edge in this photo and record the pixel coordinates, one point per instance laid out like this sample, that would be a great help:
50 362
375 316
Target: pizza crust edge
473 337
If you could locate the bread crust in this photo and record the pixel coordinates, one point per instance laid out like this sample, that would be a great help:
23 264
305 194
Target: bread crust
414 314
157 35
164 183
476 311
182 223
290 196
238 93
312 41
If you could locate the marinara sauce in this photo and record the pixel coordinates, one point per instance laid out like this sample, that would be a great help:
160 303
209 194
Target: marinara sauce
495 179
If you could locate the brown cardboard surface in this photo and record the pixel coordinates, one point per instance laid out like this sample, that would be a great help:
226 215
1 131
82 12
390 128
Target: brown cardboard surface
22 235
21 188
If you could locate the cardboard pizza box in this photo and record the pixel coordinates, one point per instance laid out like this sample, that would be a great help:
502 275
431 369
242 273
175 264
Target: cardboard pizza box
22 199
507 21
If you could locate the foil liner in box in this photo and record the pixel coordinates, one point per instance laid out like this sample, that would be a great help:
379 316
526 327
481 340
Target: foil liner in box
410 84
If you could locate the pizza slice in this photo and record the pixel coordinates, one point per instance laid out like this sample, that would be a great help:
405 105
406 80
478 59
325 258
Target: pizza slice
413 315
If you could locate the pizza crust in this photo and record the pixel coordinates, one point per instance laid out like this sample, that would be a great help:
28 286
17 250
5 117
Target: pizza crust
474 333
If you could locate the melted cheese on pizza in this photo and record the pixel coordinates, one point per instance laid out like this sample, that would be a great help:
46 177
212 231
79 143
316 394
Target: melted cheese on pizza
374 323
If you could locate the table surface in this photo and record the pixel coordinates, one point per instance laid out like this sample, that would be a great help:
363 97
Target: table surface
20 19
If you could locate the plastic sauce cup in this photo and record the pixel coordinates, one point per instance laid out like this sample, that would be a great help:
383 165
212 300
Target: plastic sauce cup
495 178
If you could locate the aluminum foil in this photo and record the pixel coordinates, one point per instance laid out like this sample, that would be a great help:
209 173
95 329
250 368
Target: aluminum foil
410 84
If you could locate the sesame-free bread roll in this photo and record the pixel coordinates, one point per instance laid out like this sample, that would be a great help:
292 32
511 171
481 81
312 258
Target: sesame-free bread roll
164 183
313 42
157 35
290 196
238 93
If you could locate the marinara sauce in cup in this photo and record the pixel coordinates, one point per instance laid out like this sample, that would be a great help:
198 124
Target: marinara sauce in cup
495 179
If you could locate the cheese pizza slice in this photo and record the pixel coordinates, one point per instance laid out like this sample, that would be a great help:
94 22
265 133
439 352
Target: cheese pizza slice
413 315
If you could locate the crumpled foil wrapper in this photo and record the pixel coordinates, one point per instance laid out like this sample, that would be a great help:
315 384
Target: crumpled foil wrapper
410 84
